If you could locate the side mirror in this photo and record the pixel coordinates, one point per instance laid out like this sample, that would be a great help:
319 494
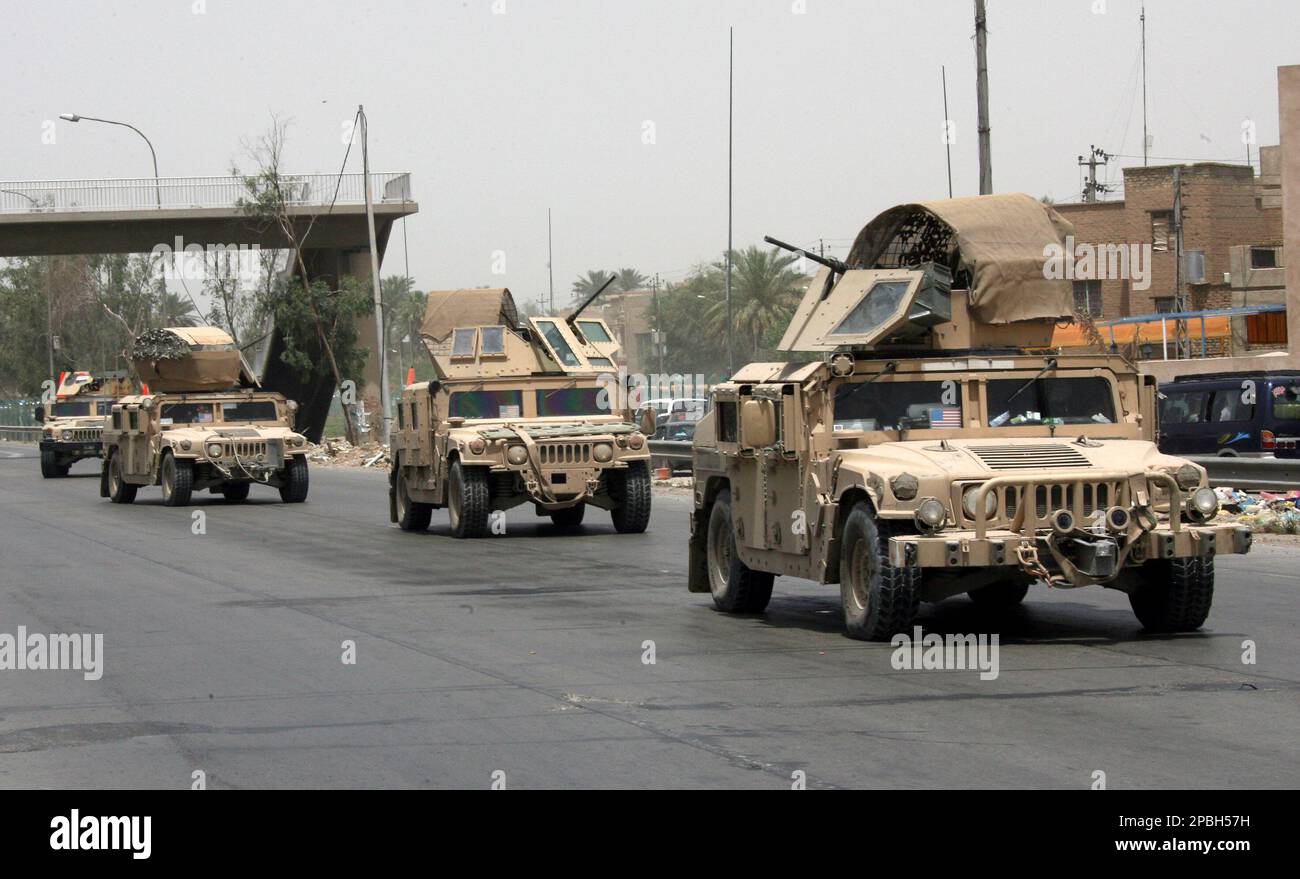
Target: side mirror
39 414
757 424
648 421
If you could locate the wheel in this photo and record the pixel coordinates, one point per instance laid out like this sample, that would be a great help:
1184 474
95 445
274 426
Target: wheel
468 500
1175 594
50 468
119 490
177 480
879 599
631 492
294 489
570 517
999 596
736 587
236 492
411 515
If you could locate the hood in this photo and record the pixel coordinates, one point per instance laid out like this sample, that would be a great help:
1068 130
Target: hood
987 458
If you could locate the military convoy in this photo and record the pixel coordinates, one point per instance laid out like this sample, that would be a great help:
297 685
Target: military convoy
940 446
521 411
71 426
206 426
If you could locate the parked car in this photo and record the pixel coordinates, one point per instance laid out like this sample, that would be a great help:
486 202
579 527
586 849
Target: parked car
1243 414
675 417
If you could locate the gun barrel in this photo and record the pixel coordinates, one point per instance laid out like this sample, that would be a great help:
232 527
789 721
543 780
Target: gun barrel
590 299
831 263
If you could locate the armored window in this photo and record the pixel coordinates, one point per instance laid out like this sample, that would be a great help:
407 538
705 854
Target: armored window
1087 298
572 401
69 410
133 421
493 340
727 432
415 415
117 420
187 413
875 307
486 404
103 407
601 361
594 331
401 420
1015 402
559 346
1230 405
248 410
463 343
898 405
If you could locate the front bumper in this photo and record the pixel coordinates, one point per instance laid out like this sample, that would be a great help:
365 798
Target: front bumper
74 448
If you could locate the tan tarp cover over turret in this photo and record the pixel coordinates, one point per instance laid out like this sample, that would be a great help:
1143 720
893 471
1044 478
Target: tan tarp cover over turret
445 310
213 364
1001 239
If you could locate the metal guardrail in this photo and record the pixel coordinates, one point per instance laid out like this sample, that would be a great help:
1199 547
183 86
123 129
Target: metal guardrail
1252 474
146 193
20 434
676 453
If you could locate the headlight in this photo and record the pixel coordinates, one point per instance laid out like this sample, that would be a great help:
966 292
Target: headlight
214 450
1187 476
930 514
904 486
990 503
517 455
636 441
67 435
477 446
1203 504
185 444
602 452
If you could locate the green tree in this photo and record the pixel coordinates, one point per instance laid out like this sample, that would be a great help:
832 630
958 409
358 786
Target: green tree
589 283
176 310
629 280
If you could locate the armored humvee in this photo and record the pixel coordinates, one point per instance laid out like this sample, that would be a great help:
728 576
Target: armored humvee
72 424
207 426
941 446
522 411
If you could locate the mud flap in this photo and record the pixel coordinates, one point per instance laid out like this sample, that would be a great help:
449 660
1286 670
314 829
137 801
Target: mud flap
392 493
103 479
698 555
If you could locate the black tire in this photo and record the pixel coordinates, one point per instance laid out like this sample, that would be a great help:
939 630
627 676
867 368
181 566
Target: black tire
1000 596
879 599
119 490
50 465
294 489
468 500
235 492
569 518
177 480
736 587
1175 595
631 492
411 515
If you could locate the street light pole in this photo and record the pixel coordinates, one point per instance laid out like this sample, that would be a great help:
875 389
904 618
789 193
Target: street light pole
385 410
157 184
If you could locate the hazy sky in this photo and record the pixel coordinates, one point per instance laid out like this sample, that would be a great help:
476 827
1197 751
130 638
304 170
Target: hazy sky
503 109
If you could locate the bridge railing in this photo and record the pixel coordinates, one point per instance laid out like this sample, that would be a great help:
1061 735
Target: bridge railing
146 193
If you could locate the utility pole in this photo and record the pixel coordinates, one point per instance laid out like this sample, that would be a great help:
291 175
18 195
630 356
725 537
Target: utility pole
947 129
385 413
731 95
1182 343
49 309
550 272
659 326
1091 188
982 97
1146 138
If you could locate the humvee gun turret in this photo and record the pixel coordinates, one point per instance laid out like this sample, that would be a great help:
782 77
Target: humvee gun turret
205 426
520 411
941 446
71 426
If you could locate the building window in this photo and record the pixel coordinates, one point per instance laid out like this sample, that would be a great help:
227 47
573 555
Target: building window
1162 224
1263 257
1268 328
1164 304
1087 298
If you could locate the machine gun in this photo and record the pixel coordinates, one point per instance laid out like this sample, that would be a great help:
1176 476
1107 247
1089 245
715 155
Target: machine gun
830 262
570 320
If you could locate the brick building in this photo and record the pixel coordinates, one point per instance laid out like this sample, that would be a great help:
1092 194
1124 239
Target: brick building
1232 226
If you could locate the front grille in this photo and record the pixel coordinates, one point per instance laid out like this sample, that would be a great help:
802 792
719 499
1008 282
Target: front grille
1043 456
1083 499
87 434
243 449
553 454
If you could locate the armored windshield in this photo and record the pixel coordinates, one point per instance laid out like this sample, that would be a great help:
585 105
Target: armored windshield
1015 402
920 405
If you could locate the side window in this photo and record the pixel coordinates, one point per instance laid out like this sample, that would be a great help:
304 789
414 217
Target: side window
133 420
1230 405
117 420
1286 401
1185 407
727 432
401 421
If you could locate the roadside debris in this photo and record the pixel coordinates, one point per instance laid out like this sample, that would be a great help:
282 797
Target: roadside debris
338 452
1267 512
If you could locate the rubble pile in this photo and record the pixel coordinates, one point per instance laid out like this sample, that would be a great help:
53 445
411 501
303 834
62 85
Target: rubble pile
1265 513
338 452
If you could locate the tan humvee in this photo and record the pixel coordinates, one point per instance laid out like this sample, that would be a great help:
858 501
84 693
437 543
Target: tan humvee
71 426
933 453
202 432
520 412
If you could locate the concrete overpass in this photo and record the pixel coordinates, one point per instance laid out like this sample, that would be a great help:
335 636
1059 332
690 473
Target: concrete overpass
65 217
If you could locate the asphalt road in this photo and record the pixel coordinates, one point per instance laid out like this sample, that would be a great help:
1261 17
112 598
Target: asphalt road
523 654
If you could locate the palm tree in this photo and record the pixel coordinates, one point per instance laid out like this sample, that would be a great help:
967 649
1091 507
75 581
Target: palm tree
175 310
587 284
630 279
764 295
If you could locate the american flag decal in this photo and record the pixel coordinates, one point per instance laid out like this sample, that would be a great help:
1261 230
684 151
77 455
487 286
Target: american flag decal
945 416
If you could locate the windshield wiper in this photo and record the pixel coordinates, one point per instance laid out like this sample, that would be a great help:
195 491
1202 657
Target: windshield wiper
1051 365
890 368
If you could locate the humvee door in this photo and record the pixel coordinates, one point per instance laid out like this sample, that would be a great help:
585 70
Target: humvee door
597 334
865 307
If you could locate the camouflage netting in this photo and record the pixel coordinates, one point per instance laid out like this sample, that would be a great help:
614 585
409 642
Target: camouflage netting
159 345
177 359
